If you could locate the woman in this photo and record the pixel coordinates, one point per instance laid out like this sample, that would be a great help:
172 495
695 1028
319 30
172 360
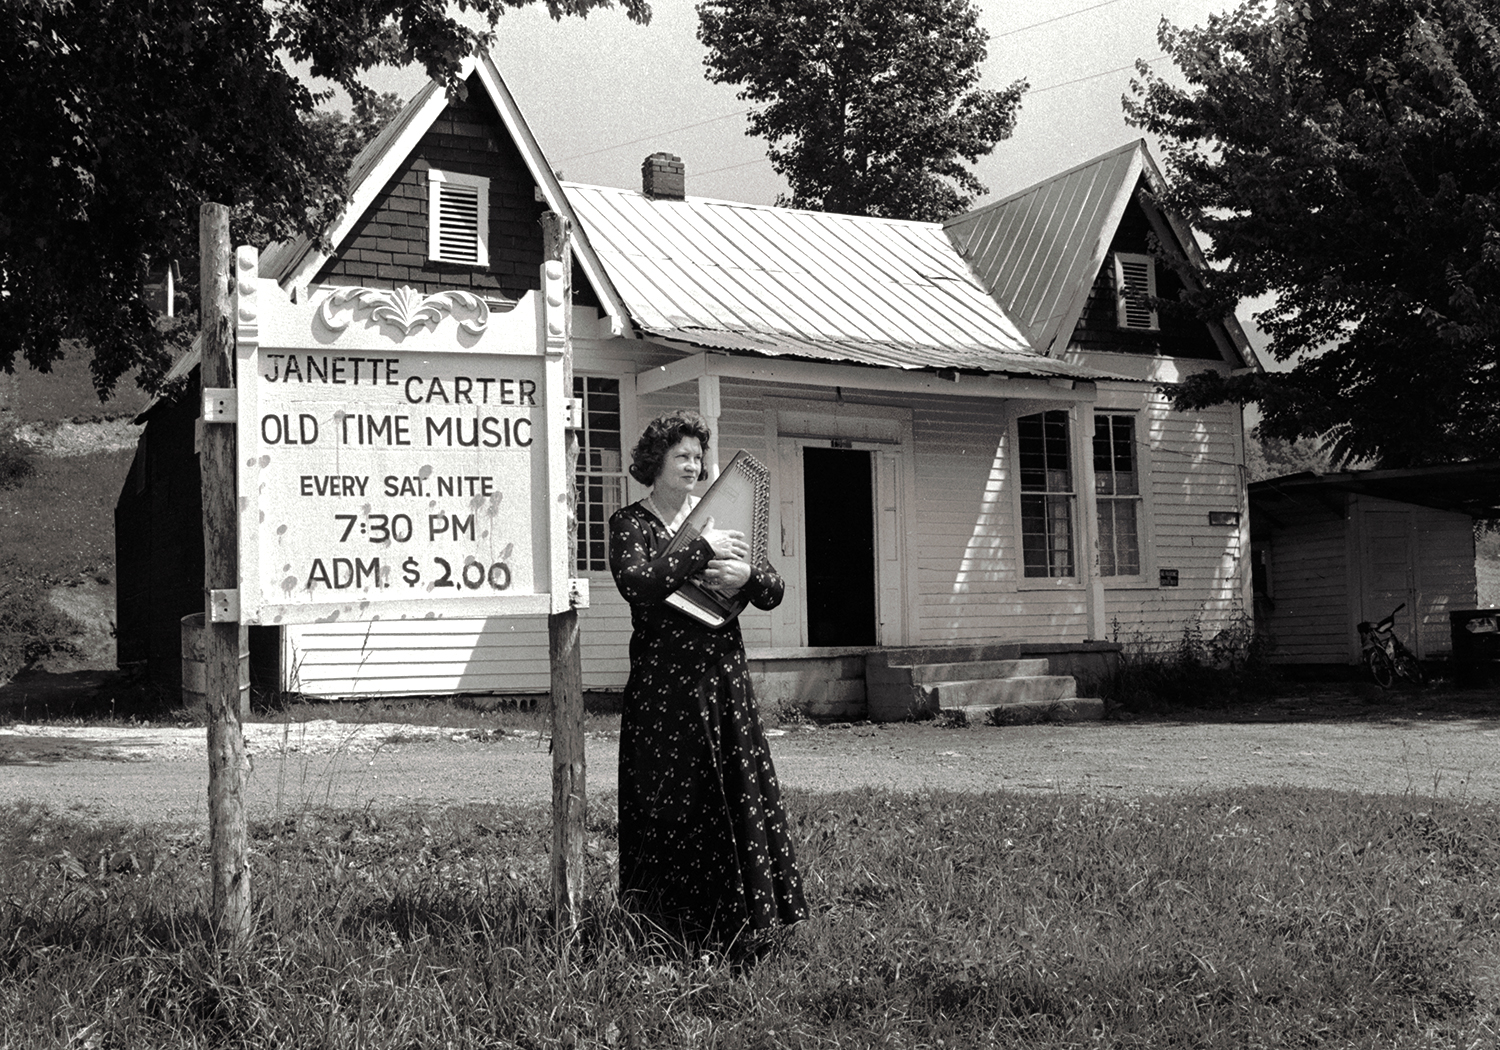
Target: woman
704 847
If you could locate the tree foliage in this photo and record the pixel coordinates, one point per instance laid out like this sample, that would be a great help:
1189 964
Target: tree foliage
119 118
1344 156
870 107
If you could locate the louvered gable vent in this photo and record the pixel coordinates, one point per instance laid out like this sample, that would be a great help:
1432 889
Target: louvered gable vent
459 218
1135 281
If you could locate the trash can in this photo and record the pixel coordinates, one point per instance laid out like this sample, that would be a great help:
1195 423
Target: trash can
1476 645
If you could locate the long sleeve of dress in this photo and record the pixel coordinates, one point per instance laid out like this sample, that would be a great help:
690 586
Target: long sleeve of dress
765 587
641 577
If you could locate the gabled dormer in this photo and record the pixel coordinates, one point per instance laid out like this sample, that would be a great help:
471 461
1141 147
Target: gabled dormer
1079 258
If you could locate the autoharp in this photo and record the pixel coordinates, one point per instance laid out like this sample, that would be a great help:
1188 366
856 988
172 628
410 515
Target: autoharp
739 500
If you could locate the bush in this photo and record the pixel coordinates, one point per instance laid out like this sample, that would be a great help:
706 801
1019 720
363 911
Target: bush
15 464
1230 667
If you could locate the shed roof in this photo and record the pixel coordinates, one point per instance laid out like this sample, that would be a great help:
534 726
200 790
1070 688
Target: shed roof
1467 488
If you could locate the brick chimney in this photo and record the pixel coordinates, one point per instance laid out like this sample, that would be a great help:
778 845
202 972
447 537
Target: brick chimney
663 177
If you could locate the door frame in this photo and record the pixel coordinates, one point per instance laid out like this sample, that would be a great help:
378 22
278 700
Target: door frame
885 431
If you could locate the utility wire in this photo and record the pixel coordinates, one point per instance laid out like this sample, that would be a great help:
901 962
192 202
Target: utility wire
1033 91
654 134
1055 18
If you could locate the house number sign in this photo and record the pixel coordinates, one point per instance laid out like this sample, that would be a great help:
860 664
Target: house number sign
399 454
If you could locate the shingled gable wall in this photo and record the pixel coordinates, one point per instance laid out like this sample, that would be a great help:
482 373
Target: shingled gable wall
1098 327
388 247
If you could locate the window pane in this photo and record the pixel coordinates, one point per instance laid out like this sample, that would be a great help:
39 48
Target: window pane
1107 538
1043 453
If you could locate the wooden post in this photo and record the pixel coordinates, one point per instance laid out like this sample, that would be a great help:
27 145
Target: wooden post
229 858
569 797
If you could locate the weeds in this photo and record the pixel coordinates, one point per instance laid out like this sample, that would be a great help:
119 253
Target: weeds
1231 666
1262 919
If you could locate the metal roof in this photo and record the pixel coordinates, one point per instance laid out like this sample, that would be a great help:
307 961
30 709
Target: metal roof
1467 488
757 279
1036 249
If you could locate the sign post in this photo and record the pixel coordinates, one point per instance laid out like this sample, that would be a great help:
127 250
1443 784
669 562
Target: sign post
228 849
569 794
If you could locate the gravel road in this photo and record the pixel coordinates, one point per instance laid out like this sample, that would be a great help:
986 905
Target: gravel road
1450 748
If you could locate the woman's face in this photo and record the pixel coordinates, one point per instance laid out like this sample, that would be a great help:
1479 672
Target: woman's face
680 468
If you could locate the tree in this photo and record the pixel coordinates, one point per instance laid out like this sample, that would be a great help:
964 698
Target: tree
875 100
1344 156
118 118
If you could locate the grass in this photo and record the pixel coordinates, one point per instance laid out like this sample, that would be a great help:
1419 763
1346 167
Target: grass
67 392
56 525
1249 920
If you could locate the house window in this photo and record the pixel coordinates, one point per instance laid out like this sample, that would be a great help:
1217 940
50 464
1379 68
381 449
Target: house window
458 209
1135 284
601 470
1046 494
1117 487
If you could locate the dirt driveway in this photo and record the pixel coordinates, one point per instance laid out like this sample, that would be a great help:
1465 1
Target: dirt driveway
1426 744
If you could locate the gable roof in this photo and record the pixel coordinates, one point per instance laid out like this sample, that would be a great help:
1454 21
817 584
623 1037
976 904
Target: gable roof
294 263
1039 250
782 281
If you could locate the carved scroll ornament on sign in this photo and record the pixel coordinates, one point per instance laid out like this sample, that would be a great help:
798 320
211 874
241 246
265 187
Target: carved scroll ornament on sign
404 308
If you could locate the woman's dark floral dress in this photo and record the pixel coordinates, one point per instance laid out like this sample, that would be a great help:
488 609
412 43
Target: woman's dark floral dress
704 846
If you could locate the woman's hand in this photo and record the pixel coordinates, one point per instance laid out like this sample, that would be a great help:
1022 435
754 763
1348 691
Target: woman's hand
726 543
726 575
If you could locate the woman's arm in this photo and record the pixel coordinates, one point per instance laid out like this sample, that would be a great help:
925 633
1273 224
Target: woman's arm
640 577
765 588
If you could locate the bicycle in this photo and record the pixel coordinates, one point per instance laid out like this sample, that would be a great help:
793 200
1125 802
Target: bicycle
1385 655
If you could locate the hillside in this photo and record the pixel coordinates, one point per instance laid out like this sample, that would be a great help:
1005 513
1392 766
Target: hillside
63 457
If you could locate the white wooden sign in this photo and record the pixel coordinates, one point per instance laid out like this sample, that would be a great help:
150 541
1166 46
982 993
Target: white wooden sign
400 455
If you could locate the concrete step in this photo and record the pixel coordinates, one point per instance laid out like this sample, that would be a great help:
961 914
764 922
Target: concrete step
995 692
931 674
1072 709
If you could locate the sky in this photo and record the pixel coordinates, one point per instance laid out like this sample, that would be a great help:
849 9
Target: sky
602 93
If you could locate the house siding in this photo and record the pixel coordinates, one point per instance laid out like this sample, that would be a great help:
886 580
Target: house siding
1098 324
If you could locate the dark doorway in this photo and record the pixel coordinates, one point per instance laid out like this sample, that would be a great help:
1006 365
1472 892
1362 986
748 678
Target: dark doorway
840 546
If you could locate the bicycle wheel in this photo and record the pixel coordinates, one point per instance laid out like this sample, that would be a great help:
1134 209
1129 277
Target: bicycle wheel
1381 667
1408 667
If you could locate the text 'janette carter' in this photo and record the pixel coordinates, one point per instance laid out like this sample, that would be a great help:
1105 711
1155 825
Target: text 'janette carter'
386 371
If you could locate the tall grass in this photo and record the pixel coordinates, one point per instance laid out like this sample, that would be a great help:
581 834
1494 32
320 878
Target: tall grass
1257 919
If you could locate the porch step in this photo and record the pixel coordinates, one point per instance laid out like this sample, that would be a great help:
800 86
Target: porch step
1072 709
938 673
998 692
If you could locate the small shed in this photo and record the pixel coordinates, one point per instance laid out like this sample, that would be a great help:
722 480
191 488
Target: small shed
1332 550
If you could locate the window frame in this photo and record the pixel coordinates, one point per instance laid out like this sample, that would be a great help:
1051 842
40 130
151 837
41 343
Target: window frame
1139 498
436 180
1145 525
1077 538
581 563
1123 290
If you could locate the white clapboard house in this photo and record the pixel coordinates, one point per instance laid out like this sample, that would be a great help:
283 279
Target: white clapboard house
971 457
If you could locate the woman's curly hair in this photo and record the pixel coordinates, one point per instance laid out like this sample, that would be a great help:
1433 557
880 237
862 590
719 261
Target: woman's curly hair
661 434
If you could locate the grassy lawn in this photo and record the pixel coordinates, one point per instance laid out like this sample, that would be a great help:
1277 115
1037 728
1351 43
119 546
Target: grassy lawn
56 524
1256 919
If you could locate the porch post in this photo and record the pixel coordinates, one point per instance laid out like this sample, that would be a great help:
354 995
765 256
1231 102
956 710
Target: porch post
1082 422
708 408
